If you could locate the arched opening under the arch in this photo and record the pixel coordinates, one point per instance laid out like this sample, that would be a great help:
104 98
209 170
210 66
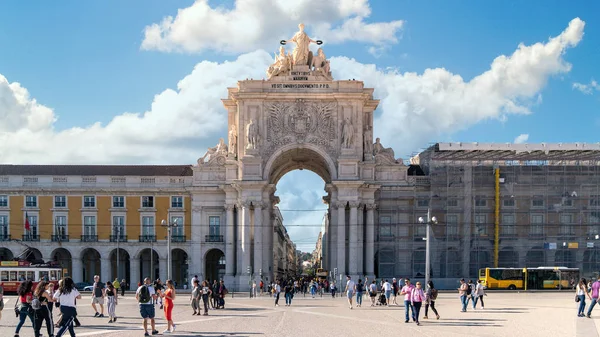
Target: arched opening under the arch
215 265
64 259
148 264
6 254
32 255
90 259
120 265
300 158
179 267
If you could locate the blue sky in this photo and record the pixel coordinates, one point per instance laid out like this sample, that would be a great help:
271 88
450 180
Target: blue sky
83 62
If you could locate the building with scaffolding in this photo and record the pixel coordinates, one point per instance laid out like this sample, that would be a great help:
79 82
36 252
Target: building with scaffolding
498 205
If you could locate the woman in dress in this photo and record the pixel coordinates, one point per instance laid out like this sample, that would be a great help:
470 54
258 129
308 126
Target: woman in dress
111 294
24 300
168 296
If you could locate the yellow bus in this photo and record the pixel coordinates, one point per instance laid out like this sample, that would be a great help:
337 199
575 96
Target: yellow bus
537 278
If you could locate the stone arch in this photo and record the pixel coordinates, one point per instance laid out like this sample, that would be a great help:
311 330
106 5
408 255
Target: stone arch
508 258
6 254
179 266
90 261
124 269
300 156
32 255
450 263
64 258
149 266
535 257
564 258
141 250
214 260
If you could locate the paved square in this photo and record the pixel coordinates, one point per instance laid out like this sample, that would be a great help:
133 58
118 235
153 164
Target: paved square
517 314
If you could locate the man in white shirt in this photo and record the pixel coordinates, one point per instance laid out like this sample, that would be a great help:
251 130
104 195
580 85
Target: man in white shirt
387 288
147 305
350 290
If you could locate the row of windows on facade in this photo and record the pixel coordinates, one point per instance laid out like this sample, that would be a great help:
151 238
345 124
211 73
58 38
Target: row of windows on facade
60 201
536 201
118 225
93 180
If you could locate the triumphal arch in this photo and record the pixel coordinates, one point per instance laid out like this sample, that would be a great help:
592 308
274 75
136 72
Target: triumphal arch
299 117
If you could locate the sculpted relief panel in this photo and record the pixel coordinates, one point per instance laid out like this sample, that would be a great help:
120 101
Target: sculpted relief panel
300 122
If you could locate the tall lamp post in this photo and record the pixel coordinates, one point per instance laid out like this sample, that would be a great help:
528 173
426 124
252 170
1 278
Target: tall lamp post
164 223
118 239
429 221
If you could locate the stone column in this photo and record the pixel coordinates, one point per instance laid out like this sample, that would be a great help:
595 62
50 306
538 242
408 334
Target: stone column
134 264
76 270
245 238
267 250
105 273
258 240
196 267
353 240
238 241
370 241
361 240
341 238
162 268
229 242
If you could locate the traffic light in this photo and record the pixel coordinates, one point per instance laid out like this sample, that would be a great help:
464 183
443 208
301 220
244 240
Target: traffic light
248 270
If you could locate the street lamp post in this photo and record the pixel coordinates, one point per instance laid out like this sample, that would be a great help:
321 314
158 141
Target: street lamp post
169 226
118 239
430 220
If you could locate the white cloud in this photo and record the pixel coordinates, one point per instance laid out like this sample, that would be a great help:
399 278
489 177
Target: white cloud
587 89
522 138
253 24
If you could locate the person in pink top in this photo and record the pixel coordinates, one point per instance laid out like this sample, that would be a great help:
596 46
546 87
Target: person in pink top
417 296
407 291
595 293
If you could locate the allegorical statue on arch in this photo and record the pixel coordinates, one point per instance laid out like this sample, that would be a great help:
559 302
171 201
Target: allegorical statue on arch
301 58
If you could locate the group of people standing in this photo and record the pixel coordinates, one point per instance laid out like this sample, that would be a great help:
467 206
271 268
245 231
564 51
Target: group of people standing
471 291
211 296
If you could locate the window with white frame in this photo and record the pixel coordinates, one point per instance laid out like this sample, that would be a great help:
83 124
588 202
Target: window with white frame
89 225
480 226
3 227
452 225
214 225
566 224
536 226
3 200
537 201
89 201
118 201
148 201
33 225
147 225
177 202
31 201
60 226
508 227
60 201
118 226
508 202
179 229
480 201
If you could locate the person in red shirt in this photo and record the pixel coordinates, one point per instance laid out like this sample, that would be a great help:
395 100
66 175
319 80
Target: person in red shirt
407 291
25 297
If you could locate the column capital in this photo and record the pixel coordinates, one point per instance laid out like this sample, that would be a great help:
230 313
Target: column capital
371 207
361 206
229 207
197 209
340 204
244 204
258 204
354 204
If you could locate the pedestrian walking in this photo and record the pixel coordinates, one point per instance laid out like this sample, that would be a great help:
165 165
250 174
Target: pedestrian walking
25 293
117 285
262 286
145 295
222 293
67 294
169 297
462 292
124 286
98 296
430 297
395 291
159 287
373 292
359 289
595 292
206 293
276 292
111 294
215 295
407 291
254 289
349 290
478 294
289 293
41 310
417 297
333 289
581 292
195 297
387 290
1 300
471 293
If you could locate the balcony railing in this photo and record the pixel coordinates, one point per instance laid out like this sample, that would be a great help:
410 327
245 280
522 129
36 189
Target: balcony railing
89 238
31 238
213 238
176 238
60 238
5 237
147 238
118 238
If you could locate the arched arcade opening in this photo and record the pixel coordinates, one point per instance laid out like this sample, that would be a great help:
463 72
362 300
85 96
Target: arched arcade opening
120 257
64 259
215 265
90 260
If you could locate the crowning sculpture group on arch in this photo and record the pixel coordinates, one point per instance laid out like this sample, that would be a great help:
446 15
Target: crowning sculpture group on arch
300 118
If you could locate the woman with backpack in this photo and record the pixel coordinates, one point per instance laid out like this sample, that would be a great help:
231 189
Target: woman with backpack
23 305
430 297
359 288
39 303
